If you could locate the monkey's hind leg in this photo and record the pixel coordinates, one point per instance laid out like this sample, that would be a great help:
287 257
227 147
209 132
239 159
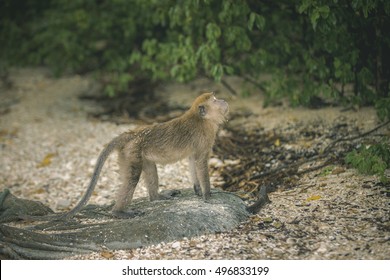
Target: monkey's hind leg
130 174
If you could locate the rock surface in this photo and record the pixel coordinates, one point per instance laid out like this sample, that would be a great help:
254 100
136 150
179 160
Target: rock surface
184 216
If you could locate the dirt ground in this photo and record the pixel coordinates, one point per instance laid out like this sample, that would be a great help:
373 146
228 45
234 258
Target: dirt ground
49 145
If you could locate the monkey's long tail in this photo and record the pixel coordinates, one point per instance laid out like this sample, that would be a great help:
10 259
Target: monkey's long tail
92 184
111 146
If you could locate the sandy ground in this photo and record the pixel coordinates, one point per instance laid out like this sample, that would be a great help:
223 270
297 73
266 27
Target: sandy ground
48 148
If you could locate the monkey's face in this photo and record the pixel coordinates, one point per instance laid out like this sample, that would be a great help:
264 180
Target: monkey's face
221 105
213 109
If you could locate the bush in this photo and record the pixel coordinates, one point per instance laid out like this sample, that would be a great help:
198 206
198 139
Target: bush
371 159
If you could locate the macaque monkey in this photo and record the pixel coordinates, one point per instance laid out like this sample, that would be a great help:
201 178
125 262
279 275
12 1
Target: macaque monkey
191 136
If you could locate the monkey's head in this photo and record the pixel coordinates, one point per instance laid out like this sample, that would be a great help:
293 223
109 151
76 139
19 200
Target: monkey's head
210 108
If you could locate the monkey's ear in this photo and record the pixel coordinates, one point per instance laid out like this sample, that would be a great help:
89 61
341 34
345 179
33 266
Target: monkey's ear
202 111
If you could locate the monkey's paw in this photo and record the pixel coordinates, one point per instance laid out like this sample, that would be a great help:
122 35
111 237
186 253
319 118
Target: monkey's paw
170 193
127 214
198 190
165 195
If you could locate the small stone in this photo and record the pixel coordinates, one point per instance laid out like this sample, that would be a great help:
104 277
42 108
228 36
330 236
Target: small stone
322 248
176 245
232 162
215 162
63 203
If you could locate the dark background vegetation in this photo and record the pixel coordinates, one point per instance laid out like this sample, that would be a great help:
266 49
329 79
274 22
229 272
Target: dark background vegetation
338 50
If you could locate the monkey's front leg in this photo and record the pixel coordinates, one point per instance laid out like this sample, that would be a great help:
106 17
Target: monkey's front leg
194 177
151 182
202 174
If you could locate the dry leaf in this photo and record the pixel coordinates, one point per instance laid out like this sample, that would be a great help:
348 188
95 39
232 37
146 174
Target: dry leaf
338 170
46 161
38 191
313 197
277 224
107 254
5 133
277 142
256 219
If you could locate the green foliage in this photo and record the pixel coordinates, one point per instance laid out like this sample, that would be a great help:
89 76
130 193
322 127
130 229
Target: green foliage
371 159
349 48
326 171
337 50
382 106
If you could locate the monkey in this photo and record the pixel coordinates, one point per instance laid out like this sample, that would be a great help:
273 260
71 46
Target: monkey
190 135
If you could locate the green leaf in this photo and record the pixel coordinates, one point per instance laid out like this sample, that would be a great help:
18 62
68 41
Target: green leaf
110 90
251 20
315 15
217 72
305 4
257 19
324 11
260 22
228 70
213 31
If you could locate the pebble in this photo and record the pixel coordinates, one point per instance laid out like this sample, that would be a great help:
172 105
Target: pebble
176 245
215 162
63 203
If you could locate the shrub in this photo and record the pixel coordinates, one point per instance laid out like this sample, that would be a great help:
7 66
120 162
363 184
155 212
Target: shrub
371 159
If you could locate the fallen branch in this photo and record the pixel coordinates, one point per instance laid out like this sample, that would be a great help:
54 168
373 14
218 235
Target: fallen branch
331 145
262 200
231 89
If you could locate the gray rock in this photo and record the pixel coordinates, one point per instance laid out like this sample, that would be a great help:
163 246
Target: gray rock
186 215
